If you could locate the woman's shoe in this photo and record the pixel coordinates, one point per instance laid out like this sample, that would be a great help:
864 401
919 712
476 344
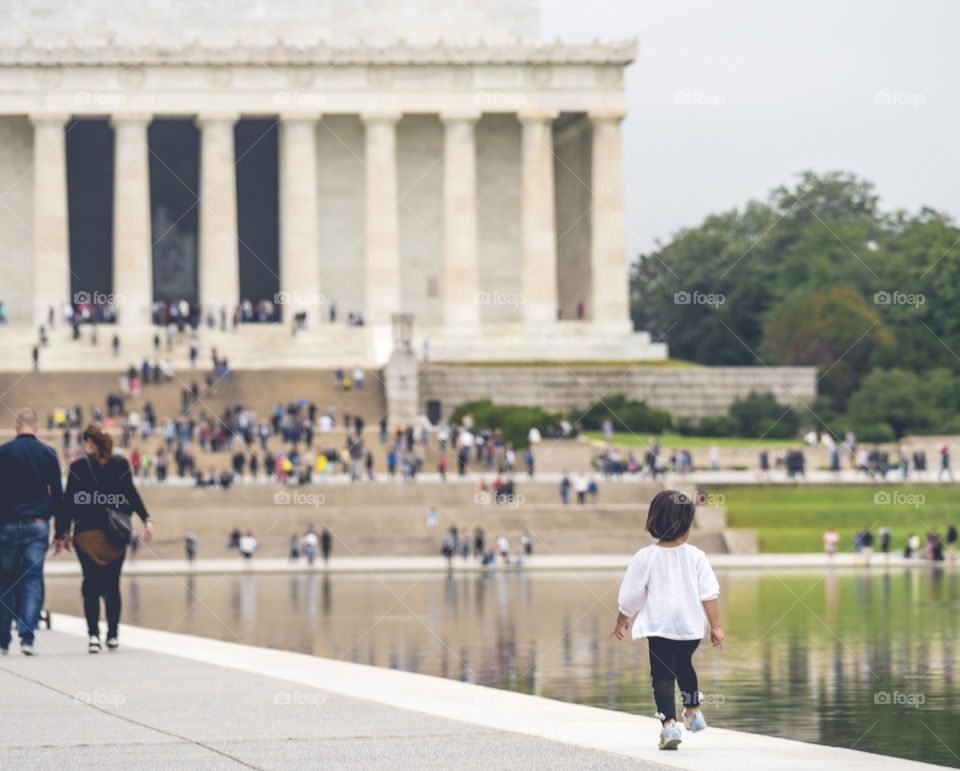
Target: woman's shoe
670 737
93 646
695 722
112 643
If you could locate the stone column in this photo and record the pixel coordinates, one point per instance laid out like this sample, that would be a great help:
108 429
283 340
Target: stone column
607 237
299 225
538 221
51 251
132 246
381 253
219 250
461 311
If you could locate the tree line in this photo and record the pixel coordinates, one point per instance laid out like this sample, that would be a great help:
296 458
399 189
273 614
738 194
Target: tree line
819 274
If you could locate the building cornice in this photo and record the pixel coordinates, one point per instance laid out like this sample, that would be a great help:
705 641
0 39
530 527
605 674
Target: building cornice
280 54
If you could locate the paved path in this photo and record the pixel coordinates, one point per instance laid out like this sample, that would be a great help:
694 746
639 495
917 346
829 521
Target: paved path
173 701
683 481
67 565
135 708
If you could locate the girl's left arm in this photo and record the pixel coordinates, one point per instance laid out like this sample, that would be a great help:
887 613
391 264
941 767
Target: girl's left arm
709 589
621 626
713 616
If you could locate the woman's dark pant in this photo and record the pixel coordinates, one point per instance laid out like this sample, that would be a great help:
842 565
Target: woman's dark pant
100 581
671 663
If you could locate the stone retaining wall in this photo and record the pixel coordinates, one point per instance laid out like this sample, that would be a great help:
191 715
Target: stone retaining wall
693 392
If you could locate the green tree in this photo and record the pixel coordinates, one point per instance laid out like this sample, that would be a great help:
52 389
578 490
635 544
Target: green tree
818 274
625 415
717 259
836 332
892 396
924 271
762 415
824 232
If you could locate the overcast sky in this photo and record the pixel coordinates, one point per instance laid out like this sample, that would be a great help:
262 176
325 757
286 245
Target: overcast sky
729 98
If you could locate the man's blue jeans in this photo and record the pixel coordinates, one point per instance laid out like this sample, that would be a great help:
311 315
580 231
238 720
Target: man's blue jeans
23 545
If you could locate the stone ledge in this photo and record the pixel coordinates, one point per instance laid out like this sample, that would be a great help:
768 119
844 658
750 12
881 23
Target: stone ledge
621 53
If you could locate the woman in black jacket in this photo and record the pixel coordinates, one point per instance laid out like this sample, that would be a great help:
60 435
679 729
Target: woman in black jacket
99 481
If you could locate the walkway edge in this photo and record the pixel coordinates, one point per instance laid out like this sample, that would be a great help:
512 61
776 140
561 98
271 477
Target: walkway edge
68 566
575 724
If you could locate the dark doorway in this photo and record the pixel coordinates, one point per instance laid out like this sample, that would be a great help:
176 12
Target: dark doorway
90 205
174 211
258 207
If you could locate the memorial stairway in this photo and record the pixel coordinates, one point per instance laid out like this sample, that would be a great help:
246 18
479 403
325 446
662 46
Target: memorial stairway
389 519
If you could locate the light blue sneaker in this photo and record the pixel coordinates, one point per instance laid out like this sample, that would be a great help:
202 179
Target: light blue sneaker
670 737
696 722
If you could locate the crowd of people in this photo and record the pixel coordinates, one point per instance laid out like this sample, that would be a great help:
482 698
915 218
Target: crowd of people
613 461
185 313
158 445
656 462
875 461
309 545
584 487
180 313
863 544
173 319
293 444
474 545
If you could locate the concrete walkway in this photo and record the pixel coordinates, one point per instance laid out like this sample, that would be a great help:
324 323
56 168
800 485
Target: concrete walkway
683 481
135 708
67 565
174 701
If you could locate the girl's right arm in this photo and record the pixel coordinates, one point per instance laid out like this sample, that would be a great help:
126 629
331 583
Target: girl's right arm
632 596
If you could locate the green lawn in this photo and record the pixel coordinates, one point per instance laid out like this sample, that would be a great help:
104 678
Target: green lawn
793 519
668 441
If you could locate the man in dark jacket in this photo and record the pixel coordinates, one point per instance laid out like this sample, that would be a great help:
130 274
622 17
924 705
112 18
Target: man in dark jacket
32 493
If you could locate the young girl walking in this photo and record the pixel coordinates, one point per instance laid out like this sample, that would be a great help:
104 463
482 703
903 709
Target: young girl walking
672 590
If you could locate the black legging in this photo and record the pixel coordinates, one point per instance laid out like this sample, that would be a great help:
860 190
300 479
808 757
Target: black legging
101 581
671 662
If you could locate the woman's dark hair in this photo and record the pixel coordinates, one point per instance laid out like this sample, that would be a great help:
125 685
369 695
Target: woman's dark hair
102 440
670 516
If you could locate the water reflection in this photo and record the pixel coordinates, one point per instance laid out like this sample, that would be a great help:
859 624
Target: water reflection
295 593
131 601
836 657
190 584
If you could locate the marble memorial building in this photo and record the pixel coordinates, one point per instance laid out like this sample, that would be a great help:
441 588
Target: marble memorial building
431 158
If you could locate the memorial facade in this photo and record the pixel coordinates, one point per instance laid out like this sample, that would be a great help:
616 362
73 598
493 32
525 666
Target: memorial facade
434 160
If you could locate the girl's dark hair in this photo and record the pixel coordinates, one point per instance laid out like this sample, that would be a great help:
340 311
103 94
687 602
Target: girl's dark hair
102 440
670 516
